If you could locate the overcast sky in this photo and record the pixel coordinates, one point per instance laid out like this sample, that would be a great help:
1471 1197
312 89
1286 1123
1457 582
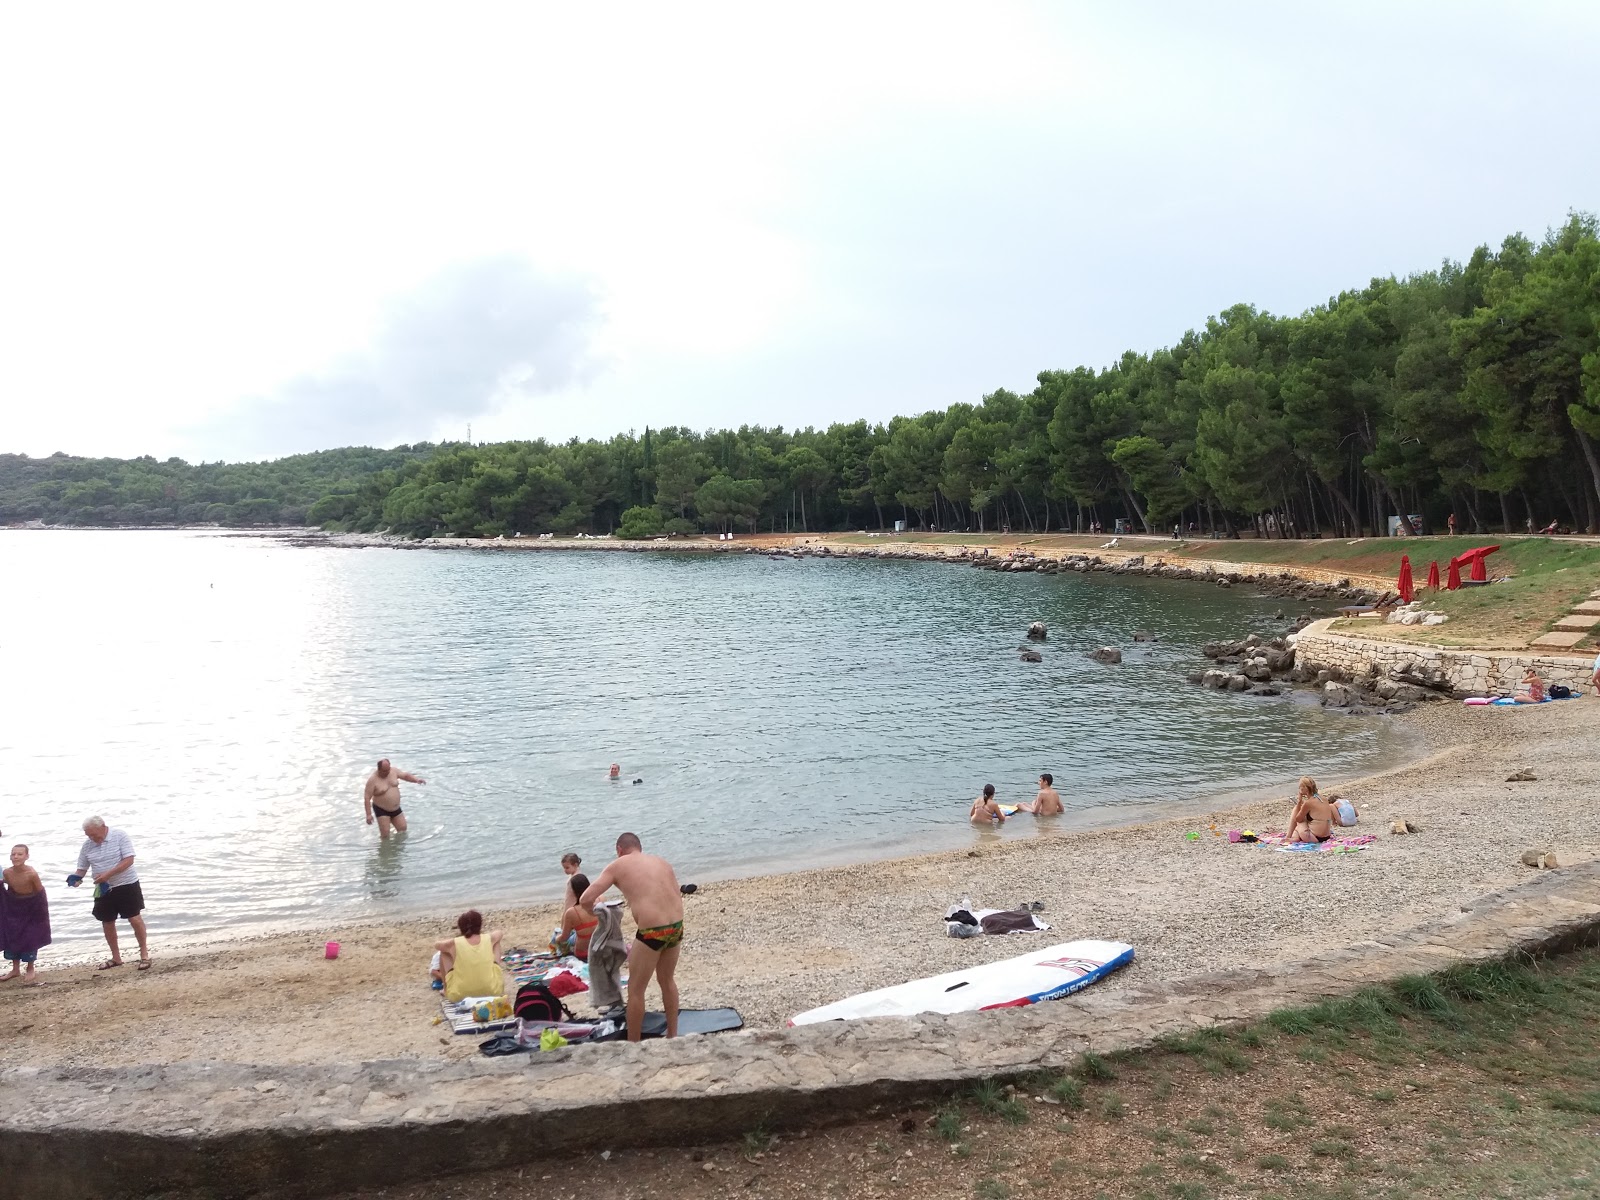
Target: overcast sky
242 235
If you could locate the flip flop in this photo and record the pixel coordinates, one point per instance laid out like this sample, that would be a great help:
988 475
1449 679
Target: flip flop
144 964
106 966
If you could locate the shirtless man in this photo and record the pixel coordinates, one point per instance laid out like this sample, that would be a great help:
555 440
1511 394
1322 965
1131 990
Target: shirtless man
1048 802
985 810
651 890
381 798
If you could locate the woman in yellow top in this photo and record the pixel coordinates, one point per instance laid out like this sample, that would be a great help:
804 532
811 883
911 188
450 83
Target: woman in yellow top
469 964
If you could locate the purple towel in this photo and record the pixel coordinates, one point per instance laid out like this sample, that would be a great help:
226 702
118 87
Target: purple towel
25 926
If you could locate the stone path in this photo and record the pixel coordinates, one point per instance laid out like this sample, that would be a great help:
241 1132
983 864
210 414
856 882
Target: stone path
1574 627
220 1130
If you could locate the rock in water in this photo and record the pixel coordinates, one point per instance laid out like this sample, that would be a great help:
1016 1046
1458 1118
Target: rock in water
1031 656
1144 635
1037 631
1106 654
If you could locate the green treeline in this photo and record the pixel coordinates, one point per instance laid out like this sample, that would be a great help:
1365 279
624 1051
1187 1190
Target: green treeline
61 490
1473 389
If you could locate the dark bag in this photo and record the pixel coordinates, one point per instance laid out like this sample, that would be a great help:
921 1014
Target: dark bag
535 1002
1559 691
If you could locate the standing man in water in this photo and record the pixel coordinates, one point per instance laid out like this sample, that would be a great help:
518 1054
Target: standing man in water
651 890
381 798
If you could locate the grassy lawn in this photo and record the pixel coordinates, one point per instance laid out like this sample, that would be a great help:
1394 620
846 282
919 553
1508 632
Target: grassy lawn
1482 1082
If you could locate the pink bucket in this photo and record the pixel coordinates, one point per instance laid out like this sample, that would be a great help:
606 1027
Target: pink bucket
331 950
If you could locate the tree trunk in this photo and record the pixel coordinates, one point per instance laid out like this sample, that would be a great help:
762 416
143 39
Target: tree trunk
1026 511
1505 512
1134 504
1594 469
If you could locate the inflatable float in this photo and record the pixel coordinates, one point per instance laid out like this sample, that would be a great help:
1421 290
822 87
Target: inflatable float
1046 974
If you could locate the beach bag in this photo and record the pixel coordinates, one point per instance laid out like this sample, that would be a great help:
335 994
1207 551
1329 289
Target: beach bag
536 1002
1559 691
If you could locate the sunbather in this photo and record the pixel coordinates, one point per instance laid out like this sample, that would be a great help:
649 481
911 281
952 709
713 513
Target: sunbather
1533 686
467 965
577 923
1313 817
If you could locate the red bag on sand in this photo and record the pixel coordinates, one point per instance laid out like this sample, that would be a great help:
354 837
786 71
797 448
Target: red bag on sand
565 984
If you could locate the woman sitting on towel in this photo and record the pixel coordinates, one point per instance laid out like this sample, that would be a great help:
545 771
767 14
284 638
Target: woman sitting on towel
577 925
1313 817
468 964
1534 687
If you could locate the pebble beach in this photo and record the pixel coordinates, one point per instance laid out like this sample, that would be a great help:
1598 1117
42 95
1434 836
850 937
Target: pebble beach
776 945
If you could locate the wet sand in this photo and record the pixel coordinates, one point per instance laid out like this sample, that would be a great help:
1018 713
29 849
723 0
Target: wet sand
775 945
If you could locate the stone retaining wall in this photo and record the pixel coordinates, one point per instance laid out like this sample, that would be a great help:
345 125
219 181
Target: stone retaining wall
1464 672
188 1131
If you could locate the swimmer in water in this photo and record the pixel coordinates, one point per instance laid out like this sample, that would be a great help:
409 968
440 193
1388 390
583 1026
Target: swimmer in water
1048 802
985 810
616 771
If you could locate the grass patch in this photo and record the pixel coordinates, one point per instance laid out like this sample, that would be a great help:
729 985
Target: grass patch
993 1099
1272 1162
1093 1066
1113 1107
992 1189
1069 1091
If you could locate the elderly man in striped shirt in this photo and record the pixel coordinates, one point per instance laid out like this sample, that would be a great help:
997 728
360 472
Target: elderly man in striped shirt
109 852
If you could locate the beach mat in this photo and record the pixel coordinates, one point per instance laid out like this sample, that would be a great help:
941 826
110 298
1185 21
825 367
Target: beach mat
459 1017
690 1021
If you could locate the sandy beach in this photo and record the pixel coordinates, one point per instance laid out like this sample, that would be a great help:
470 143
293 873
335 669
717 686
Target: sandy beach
775 945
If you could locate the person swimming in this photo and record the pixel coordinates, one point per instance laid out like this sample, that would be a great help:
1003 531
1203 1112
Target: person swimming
985 809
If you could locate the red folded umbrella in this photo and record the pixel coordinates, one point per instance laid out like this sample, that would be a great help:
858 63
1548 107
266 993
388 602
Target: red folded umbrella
1405 587
1454 580
1433 576
1478 571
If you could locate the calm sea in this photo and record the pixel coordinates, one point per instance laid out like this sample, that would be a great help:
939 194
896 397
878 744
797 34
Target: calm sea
223 699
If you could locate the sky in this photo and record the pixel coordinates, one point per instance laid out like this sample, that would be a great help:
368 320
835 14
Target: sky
232 232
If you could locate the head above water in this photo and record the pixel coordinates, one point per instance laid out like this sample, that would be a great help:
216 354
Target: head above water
616 770
383 768
1047 779
988 791
470 923
95 828
629 843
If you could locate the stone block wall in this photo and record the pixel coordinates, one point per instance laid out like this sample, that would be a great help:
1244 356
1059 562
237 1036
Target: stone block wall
1467 672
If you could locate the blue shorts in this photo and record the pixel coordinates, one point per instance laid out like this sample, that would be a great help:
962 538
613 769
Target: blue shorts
25 958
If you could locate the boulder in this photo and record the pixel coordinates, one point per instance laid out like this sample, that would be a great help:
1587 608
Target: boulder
1279 660
1398 827
1037 632
1533 858
1031 656
1106 654
1238 683
1144 635
1257 671
1223 583
1523 776
1197 677
1214 679
1266 691
1337 695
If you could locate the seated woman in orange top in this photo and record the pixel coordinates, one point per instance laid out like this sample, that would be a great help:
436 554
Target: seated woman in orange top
577 925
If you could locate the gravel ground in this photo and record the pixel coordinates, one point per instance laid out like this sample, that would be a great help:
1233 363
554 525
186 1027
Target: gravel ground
777 945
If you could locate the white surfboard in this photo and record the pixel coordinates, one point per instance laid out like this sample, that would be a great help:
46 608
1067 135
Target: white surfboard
1031 978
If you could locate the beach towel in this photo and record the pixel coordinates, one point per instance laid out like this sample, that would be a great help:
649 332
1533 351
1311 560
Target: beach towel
961 921
607 954
462 1019
24 922
1334 845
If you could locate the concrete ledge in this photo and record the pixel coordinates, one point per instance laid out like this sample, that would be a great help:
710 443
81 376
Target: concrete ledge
190 1131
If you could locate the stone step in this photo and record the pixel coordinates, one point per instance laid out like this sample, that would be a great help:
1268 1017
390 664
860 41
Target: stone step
1587 607
1560 641
1578 621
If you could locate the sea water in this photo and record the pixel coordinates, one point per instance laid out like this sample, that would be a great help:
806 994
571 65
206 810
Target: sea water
224 698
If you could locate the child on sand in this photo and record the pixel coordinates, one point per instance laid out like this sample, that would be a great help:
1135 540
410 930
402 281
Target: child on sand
26 924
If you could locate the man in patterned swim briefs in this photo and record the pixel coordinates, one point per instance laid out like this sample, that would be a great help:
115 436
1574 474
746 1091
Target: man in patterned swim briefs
650 887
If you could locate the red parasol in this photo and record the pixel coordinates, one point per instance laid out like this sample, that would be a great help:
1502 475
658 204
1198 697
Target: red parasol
1478 571
1454 580
1433 576
1405 587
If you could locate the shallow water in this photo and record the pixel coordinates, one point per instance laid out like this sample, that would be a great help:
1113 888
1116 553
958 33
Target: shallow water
224 698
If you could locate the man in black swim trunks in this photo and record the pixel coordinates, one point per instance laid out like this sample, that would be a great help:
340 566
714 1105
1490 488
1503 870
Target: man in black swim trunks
381 798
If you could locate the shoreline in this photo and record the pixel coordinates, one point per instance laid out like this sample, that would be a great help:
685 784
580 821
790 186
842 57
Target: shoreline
774 945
